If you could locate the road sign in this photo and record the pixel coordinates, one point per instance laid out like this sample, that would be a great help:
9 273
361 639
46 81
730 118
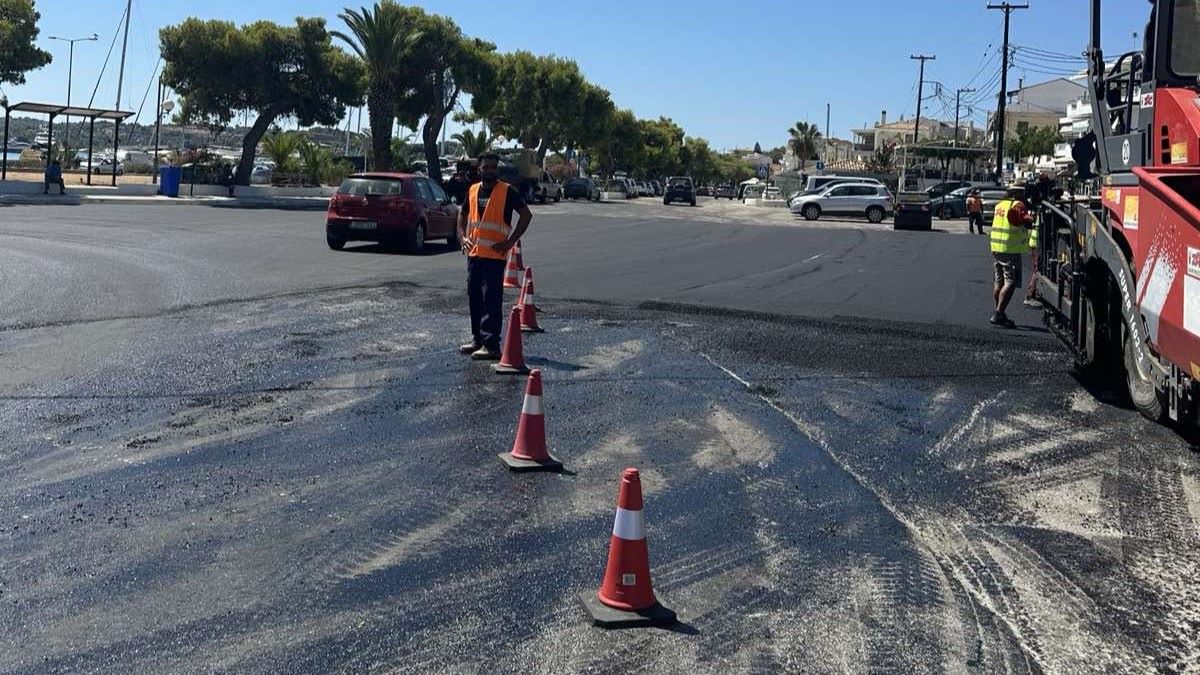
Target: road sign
762 171
820 166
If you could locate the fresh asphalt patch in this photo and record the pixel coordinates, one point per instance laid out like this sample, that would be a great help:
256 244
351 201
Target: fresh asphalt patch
309 482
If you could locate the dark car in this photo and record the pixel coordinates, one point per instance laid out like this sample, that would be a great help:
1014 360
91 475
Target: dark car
679 189
951 205
704 191
581 188
390 208
726 191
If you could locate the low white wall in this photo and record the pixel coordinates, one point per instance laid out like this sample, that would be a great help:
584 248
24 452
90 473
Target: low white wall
25 187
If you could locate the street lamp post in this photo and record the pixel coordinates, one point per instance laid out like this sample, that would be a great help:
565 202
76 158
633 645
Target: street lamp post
71 70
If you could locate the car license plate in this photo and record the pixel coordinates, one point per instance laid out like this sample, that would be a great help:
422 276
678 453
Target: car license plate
362 224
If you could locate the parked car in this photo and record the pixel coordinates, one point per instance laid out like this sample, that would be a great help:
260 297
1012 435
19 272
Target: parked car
991 196
704 191
724 192
261 174
946 188
548 189
680 189
772 193
390 208
581 188
105 166
950 205
847 199
914 211
818 183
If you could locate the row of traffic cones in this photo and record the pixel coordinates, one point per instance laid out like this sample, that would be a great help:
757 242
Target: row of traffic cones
626 597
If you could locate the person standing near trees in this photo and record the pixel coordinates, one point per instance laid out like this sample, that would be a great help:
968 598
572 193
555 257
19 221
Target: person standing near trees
486 232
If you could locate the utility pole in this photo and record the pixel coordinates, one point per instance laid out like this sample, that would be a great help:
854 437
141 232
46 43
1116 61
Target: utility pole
1001 128
120 84
827 132
920 91
958 106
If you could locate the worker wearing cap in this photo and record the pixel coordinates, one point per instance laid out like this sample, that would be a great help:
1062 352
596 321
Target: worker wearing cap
486 232
1009 243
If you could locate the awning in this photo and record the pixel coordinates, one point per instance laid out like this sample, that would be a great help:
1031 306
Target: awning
73 111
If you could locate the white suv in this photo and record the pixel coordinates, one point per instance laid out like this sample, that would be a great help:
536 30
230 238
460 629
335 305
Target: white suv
846 199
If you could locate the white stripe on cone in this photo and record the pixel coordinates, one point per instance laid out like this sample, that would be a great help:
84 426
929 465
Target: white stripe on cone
532 405
629 525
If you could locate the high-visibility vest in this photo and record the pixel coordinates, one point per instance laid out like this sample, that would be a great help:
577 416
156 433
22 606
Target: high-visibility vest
1007 238
1033 234
490 228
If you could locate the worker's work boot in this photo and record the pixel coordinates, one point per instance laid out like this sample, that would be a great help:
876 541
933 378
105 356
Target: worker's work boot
485 354
469 347
1001 320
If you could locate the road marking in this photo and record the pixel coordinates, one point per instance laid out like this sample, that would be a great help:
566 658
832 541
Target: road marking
812 258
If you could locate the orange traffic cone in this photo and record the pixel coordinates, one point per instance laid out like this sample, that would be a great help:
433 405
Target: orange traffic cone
512 358
516 254
524 284
529 451
512 273
626 597
529 308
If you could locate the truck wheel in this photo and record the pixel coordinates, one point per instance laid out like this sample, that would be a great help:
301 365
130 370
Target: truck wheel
1146 399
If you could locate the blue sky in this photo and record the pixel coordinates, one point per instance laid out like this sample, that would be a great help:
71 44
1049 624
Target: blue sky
730 72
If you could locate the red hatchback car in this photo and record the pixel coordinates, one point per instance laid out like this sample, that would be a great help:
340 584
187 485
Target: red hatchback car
390 208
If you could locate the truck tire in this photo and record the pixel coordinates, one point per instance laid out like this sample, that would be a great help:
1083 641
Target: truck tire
1146 399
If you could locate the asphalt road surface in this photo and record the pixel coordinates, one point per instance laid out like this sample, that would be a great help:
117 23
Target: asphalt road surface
230 449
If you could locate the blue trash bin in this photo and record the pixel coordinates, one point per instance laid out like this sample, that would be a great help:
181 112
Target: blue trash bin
169 178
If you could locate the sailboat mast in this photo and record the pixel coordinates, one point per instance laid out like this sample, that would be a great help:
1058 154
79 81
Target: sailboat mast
124 45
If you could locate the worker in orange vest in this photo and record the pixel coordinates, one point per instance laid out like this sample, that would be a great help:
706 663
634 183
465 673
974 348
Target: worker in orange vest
486 232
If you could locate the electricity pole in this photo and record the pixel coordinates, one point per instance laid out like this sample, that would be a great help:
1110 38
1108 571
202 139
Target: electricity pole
71 70
920 92
826 153
958 106
1001 127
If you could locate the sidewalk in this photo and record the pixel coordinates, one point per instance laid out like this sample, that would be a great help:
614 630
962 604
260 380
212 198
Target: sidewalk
70 199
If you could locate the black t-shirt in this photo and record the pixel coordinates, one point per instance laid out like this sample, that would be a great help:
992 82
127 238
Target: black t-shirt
511 204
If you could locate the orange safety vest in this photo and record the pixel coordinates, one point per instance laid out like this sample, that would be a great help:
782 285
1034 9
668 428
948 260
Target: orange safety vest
491 228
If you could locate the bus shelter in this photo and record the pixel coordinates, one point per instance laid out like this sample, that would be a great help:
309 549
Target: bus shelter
53 111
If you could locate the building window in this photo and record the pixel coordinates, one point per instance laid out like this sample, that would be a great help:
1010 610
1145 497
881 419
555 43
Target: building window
1022 127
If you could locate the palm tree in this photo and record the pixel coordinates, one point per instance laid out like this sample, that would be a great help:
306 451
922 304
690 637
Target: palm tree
280 146
804 141
379 37
474 144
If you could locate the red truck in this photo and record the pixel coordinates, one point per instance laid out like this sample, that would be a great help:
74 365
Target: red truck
1119 272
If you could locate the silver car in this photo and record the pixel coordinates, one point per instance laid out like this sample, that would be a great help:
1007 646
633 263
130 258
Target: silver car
846 199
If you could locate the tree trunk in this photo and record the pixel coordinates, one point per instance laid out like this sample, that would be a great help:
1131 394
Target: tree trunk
429 138
250 145
543 147
379 115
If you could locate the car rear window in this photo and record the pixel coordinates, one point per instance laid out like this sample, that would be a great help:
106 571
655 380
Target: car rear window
361 187
680 181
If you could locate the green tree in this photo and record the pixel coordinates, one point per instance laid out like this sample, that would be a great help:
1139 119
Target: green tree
441 64
544 103
621 148
382 39
314 160
777 154
220 70
279 146
18 34
884 159
1035 142
803 142
403 154
662 141
474 144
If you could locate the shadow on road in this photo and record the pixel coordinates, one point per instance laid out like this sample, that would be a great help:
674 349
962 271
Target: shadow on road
388 249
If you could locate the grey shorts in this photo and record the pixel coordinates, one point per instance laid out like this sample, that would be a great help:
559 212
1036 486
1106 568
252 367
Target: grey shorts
1007 268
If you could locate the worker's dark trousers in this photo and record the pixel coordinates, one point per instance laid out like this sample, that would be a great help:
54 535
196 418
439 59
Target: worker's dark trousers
485 293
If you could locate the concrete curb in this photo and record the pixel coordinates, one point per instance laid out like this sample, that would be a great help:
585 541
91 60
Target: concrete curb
282 203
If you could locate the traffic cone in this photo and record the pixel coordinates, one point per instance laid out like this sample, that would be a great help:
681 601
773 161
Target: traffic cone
516 254
524 284
529 451
529 309
512 273
626 596
512 358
